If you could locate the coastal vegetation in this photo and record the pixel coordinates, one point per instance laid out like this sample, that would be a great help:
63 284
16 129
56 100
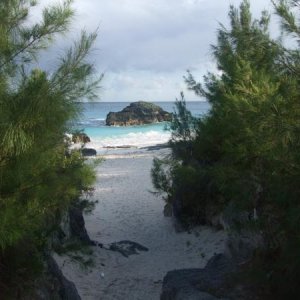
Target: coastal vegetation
242 158
40 178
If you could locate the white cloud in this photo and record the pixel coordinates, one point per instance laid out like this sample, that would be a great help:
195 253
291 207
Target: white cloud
140 41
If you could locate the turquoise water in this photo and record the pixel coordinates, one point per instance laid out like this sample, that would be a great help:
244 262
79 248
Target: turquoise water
110 131
93 123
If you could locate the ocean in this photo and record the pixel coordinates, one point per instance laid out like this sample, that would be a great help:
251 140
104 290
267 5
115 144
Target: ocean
93 118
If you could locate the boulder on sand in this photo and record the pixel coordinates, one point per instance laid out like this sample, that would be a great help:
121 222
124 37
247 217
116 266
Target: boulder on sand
209 283
88 152
138 113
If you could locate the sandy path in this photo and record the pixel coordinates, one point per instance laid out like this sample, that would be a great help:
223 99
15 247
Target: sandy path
128 211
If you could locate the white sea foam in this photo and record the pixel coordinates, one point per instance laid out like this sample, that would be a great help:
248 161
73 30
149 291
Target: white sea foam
138 139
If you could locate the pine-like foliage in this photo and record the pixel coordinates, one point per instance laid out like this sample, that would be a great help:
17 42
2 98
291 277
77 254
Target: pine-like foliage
245 151
39 177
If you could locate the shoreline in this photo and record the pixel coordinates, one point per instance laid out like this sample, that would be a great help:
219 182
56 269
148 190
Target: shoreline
120 149
151 147
128 211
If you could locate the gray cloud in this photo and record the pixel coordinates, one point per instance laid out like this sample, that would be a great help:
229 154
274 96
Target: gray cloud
145 46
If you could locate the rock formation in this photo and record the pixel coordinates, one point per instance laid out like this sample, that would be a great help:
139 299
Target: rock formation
80 137
209 283
127 248
218 279
88 152
138 113
51 285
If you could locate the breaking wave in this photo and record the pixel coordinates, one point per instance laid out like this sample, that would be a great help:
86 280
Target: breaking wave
132 139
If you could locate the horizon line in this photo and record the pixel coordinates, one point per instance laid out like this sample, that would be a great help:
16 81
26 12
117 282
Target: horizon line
118 101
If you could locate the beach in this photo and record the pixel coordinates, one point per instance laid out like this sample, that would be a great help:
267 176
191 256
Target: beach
127 210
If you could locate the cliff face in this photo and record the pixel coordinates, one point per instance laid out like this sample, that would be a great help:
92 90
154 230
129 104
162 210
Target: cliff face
138 113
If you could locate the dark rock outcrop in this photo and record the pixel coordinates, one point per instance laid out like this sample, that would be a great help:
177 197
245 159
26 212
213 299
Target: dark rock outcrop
51 285
65 288
88 152
77 225
218 280
127 248
77 228
190 284
138 113
80 137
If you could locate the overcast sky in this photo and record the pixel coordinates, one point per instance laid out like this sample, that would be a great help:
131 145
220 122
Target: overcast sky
144 47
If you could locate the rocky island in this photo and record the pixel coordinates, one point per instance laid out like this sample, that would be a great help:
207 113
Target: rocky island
138 113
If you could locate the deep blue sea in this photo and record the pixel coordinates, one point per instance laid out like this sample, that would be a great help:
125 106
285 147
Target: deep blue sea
93 118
